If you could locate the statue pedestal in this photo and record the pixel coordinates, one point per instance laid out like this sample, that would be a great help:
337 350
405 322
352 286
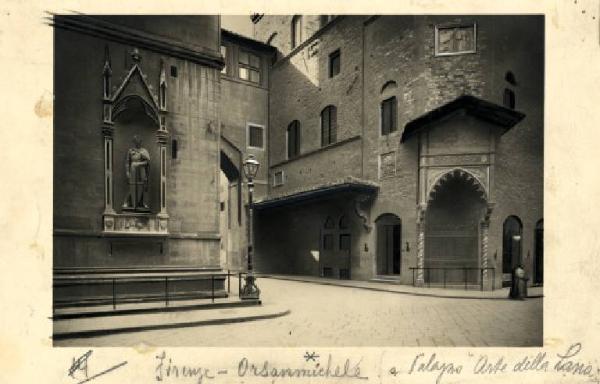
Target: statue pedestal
135 224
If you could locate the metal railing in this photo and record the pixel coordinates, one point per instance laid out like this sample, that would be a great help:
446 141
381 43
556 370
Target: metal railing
115 281
465 270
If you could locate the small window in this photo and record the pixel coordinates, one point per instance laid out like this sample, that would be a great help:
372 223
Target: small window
256 135
224 53
388 116
325 19
328 125
249 64
344 242
509 98
278 178
293 139
173 71
334 63
296 31
174 148
222 206
328 242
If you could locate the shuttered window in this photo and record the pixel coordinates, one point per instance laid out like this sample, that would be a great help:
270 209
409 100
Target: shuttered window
293 139
328 125
388 116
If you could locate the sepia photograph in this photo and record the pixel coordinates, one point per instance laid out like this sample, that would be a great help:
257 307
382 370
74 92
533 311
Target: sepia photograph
285 180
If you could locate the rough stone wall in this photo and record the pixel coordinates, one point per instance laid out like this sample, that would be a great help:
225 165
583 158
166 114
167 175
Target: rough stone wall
301 88
192 189
401 48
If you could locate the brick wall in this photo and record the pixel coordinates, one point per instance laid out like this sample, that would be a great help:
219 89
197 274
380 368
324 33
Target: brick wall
401 49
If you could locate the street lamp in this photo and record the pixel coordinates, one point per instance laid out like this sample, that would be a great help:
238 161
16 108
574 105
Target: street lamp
250 290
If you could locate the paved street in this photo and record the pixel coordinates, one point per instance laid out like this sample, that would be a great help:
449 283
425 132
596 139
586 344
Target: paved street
341 316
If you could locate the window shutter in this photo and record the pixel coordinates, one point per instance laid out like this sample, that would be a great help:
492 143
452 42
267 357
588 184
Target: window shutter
384 118
333 125
393 115
324 127
297 139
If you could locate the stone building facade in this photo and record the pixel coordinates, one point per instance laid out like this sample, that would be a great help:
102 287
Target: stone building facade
407 148
436 162
153 118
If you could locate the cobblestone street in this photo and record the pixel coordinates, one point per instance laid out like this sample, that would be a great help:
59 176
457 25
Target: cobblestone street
342 316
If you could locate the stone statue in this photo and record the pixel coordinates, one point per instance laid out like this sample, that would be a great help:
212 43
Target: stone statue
137 165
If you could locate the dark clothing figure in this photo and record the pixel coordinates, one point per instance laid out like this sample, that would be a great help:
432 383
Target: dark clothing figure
518 288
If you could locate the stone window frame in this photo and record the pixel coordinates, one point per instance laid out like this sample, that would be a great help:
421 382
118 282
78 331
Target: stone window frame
332 125
298 136
296 37
437 27
281 181
262 126
394 117
337 54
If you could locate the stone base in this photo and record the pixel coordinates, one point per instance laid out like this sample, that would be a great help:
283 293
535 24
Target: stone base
135 223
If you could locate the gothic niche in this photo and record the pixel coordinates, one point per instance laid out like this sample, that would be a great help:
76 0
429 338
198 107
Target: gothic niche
135 139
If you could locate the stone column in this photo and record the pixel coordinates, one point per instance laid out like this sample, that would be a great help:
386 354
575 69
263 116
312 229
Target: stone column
420 280
161 136
485 229
485 233
107 132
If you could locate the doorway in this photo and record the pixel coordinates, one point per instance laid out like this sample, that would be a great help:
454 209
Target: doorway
511 247
539 253
389 240
336 243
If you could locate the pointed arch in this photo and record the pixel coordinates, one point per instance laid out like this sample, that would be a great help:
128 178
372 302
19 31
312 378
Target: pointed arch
457 173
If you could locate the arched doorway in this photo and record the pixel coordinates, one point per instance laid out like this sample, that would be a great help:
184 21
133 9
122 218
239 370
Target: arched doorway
539 253
512 232
454 213
389 240
230 211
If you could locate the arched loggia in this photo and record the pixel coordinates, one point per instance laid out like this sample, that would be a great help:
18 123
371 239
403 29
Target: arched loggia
456 205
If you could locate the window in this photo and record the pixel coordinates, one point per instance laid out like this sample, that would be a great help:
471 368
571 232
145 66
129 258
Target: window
224 53
174 148
334 63
256 135
173 71
293 139
328 242
328 125
388 116
296 31
278 178
344 242
249 67
325 19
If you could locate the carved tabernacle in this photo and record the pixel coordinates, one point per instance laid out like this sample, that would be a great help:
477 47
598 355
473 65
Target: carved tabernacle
141 186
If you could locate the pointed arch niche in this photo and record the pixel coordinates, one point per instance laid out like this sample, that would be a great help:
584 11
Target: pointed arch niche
133 115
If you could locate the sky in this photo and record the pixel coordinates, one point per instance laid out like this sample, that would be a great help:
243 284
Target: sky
238 24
